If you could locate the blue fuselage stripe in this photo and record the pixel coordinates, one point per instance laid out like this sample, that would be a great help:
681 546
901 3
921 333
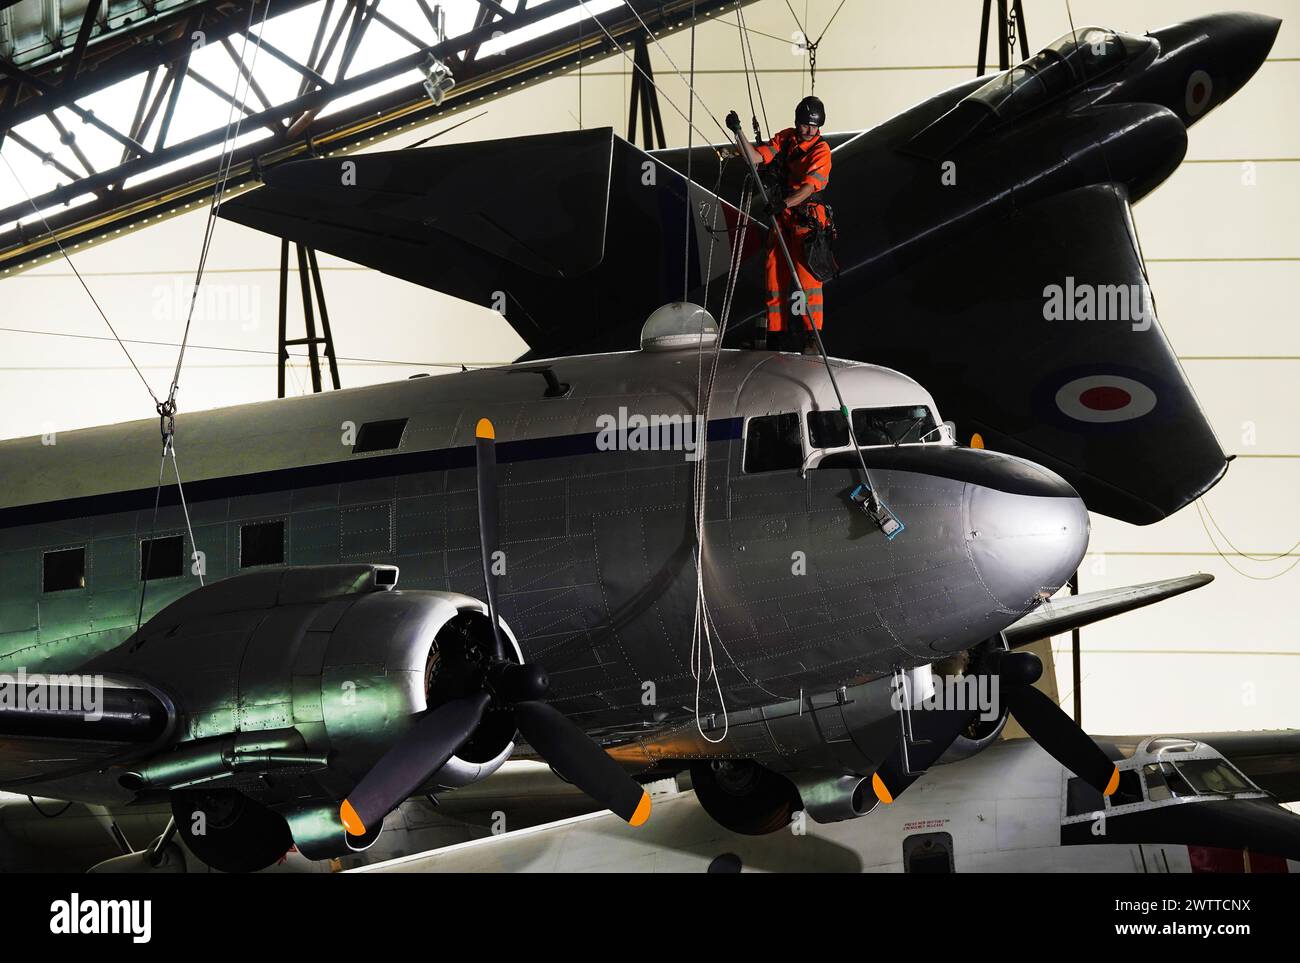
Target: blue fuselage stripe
329 473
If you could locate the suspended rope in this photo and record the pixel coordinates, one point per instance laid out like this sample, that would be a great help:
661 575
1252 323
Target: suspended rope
690 143
37 807
747 65
224 163
703 631
167 408
646 77
672 63
82 281
1203 511
810 45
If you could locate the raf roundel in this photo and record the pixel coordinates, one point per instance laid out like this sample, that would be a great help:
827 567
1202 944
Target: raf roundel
1104 399
1199 90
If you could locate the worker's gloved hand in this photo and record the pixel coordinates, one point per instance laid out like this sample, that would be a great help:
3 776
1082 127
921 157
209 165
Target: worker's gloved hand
733 122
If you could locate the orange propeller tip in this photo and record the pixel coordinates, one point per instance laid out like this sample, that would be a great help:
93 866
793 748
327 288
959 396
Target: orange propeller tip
351 821
1113 784
642 810
484 429
881 790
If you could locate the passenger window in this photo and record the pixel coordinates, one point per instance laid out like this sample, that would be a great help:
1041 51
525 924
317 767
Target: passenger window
63 570
1081 798
161 557
772 443
261 543
827 429
379 436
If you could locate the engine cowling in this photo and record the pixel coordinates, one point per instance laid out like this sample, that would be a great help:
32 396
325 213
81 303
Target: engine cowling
982 732
290 684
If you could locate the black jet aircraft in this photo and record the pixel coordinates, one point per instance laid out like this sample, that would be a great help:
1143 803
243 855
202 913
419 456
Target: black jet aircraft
987 246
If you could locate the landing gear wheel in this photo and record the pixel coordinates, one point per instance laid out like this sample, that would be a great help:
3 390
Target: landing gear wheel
229 831
744 797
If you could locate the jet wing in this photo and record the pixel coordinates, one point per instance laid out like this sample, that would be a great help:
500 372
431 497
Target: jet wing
1102 402
579 233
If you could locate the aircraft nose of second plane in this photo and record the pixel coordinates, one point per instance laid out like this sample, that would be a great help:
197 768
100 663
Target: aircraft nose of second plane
1025 540
1215 56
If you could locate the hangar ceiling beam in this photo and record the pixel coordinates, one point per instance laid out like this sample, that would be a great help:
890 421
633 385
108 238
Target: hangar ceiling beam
84 194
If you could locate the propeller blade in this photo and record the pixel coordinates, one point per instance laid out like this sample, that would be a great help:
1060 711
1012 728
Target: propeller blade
1056 732
421 752
485 453
934 731
572 753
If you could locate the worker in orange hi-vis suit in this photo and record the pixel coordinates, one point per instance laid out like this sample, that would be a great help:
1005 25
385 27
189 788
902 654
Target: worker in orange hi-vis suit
802 161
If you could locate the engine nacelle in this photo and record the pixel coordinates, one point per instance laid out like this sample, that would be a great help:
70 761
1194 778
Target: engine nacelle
983 732
289 684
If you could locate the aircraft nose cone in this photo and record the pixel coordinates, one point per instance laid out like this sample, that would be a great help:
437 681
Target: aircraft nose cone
1244 41
1214 56
1026 544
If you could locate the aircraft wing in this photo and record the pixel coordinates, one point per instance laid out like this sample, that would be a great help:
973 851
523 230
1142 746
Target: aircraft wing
1104 403
575 237
92 728
1069 612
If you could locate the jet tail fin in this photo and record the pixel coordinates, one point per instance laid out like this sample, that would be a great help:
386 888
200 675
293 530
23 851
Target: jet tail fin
576 237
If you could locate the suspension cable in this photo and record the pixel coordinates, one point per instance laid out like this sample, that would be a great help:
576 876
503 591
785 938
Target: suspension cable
742 34
1202 511
646 77
224 164
690 156
85 287
672 63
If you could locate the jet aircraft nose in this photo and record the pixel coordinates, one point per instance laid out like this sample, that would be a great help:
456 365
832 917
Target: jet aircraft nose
1208 59
1028 538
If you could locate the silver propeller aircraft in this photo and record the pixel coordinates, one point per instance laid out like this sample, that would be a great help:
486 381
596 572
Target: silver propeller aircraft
248 655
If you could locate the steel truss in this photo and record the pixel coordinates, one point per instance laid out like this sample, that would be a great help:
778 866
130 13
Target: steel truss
162 44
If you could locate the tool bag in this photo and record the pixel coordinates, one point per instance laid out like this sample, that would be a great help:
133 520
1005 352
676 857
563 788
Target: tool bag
819 245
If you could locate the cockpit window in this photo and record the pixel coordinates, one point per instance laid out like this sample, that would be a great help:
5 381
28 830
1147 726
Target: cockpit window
773 443
827 429
1073 59
1197 776
892 426
900 425
1089 50
1213 776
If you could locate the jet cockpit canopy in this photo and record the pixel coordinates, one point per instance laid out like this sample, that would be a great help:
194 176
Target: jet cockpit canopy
1068 62
1076 59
